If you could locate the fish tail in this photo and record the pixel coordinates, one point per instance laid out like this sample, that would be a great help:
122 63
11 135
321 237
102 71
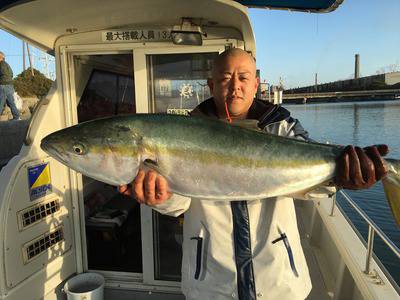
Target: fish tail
391 186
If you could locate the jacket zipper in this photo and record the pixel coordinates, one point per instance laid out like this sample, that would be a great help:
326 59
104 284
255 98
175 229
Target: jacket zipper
198 256
285 240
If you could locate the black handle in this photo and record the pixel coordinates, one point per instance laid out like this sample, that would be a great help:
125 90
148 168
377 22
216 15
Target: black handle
198 256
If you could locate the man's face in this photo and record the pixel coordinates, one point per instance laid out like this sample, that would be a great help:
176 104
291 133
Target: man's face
234 82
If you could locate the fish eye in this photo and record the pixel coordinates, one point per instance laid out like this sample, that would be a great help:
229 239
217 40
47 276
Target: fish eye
79 149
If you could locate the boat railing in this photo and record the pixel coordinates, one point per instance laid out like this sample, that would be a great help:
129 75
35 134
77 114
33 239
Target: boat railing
372 229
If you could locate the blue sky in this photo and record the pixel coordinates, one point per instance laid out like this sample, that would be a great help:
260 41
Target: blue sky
12 48
295 45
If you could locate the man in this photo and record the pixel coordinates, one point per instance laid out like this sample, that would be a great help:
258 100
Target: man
246 249
7 88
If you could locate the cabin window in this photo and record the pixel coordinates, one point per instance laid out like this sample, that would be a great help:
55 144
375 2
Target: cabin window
105 87
177 84
109 90
168 237
178 81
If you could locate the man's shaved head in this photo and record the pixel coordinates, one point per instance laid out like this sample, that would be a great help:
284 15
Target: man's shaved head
2 56
232 52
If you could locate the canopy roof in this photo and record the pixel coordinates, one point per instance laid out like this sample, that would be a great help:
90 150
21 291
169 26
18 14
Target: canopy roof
304 5
299 5
42 22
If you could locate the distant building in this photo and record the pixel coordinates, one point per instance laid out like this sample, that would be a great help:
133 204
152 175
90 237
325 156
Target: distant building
392 78
374 82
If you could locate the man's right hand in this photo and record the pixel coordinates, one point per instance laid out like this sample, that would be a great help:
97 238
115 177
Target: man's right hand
361 168
148 188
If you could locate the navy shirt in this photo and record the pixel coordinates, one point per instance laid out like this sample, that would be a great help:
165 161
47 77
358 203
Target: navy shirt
6 73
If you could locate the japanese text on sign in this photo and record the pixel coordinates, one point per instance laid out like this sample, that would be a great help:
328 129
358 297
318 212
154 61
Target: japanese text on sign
136 35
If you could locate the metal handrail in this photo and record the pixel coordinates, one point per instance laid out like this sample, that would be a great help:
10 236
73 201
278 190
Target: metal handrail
372 228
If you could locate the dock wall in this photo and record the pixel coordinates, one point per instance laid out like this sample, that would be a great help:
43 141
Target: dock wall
374 82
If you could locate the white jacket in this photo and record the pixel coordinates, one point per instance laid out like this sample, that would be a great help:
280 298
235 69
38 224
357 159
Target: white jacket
213 232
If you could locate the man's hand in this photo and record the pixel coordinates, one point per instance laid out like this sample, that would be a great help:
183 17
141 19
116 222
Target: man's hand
361 168
149 188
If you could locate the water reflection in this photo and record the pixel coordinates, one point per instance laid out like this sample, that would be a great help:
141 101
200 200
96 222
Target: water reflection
360 123
356 118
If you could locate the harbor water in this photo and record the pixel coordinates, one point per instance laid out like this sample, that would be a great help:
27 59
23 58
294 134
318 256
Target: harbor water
361 123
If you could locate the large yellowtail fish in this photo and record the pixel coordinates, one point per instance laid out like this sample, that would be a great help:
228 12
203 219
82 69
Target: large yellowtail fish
202 158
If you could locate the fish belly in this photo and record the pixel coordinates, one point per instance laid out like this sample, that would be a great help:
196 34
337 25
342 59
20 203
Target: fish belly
216 181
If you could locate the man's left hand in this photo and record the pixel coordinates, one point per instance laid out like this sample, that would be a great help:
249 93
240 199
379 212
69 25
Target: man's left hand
361 168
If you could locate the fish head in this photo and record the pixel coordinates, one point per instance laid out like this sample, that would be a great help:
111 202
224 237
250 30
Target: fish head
99 149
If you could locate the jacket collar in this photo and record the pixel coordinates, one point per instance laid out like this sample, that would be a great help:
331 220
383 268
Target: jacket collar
265 112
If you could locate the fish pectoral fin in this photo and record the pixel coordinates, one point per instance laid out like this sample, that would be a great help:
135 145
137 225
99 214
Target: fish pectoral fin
148 162
152 165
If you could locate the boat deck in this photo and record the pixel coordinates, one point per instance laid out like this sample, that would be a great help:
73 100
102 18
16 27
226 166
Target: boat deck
318 292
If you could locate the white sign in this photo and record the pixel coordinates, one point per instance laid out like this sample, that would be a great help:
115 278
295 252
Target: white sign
165 87
186 90
141 35
179 111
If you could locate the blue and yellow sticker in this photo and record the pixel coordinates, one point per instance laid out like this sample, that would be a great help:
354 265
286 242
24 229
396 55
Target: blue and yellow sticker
39 181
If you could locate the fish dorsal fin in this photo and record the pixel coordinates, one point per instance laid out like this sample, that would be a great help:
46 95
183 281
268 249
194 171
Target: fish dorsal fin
248 124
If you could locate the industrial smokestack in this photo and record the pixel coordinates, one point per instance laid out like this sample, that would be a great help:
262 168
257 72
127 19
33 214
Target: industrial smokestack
316 83
357 67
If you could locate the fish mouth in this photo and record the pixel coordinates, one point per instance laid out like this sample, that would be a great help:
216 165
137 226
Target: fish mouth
50 149
46 146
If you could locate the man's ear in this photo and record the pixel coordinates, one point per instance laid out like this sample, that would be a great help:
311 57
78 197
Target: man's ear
210 84
257 82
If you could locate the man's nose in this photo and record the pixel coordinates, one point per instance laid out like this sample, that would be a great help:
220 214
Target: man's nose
234 83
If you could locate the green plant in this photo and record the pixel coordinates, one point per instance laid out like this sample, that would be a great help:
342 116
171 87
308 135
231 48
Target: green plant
27 85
